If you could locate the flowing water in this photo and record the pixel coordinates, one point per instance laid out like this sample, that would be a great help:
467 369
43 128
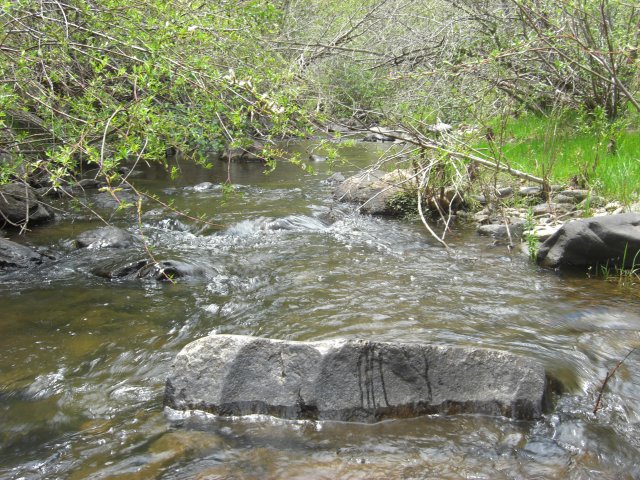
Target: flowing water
83 359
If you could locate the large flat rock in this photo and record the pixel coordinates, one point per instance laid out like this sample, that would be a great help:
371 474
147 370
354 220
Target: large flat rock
351 380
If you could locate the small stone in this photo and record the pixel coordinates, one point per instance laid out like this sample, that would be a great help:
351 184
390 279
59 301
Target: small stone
499 230
577 195
561 198
317 158
594 201
90 184
504 192
252 152
552 209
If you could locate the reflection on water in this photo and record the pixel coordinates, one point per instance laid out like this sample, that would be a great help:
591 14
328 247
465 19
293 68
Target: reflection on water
83 359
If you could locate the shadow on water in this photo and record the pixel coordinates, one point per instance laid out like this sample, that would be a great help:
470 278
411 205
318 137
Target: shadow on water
83 359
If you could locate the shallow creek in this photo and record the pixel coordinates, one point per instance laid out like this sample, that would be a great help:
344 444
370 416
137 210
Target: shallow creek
83 360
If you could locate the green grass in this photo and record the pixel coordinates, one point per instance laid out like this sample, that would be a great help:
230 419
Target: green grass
567 148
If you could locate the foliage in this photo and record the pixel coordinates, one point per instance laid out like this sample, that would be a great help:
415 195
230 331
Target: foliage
91 85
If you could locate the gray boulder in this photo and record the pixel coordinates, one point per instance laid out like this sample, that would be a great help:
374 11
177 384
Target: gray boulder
19 205
105 237
13 255
351 380
373 190
594 241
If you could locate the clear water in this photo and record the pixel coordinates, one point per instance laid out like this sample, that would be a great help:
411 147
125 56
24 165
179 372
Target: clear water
83 360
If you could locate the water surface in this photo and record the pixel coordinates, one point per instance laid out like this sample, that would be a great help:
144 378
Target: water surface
83 359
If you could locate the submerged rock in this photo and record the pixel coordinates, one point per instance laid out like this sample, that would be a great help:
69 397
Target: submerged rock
105 237
13 255
609 240
162 271
20 205
351 380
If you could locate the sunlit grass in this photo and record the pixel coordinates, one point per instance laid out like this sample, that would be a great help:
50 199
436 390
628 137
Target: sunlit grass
565 150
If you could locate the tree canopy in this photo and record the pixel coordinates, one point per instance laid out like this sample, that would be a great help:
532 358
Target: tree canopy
91 84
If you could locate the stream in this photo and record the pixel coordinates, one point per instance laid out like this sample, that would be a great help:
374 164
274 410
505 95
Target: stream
83 359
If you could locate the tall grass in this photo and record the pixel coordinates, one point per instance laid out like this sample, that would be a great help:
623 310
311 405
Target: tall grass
566 150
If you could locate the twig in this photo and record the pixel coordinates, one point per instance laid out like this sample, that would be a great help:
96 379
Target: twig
608 377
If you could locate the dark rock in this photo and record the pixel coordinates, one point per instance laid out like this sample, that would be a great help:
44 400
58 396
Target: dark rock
90 184
351 380
166 270
105 237
13 255
251 152
19 205
169 270
593 242
504 192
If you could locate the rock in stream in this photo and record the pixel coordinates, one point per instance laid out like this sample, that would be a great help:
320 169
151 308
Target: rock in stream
351 380
608 240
